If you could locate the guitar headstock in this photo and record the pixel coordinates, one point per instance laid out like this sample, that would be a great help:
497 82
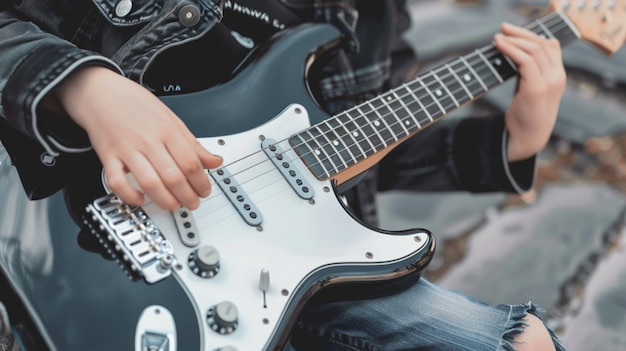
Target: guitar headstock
600 22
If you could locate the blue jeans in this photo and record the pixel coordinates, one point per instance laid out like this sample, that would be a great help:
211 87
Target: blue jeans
422 317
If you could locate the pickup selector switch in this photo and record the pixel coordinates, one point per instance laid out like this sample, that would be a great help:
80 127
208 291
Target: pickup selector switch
223 318
205 261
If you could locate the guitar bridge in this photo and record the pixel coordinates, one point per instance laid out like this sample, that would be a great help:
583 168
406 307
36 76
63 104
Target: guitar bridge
131 237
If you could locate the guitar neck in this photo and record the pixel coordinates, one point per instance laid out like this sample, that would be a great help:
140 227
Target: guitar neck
352 136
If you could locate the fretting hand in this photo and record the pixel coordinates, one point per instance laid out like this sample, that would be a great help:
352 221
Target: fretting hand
534 108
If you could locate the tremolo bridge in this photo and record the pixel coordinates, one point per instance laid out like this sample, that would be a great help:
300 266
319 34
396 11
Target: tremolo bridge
130 236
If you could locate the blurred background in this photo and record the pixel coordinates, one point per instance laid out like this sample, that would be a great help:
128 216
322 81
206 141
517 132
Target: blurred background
562 244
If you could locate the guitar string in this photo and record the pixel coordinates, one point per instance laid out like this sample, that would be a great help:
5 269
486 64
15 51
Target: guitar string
488 51
425 110
241 181
479 73
414 124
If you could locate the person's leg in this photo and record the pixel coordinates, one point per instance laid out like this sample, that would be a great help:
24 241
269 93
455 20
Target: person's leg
423 317
535 336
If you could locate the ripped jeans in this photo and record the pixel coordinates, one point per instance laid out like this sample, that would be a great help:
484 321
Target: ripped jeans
422 317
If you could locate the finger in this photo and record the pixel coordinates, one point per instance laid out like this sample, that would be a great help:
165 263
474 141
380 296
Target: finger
526 63
545 54
150 181
517 31
116 180
551 46
524 52
554 53
208 159
197 177
166 162
190 166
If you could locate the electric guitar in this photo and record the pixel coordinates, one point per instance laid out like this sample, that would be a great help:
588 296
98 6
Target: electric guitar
273 235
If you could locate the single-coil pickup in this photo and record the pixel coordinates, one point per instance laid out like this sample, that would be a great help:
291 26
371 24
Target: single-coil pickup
288 169
237 196
186 225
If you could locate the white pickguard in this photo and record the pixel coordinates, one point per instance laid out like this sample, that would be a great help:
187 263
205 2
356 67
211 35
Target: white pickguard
297 239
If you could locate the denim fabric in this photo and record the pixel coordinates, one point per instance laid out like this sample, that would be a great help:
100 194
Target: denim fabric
422 317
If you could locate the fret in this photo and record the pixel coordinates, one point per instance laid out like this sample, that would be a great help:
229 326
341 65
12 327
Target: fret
358 134
434 73
320 151
457 83
410 122
398 110
471 82
421 109
469 67
349 141
376 118
352 136
426 100
378 125
558 26
544 29
430 83
573 30
503 65
337 144
308 156
484 70
388 117
490 66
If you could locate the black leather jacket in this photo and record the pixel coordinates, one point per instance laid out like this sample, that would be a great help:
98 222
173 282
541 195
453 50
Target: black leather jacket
43 41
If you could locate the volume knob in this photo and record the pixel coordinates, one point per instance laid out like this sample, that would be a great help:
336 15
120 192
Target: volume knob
205 261
223 318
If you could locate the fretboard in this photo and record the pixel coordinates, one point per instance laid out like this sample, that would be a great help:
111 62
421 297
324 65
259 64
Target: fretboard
352 136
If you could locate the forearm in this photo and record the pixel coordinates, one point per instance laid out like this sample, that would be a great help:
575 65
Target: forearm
468 154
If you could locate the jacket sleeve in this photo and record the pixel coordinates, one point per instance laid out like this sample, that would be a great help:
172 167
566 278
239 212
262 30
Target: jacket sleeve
32 63
43 147
457 154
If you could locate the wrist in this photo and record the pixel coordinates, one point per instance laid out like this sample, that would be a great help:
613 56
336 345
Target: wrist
77 89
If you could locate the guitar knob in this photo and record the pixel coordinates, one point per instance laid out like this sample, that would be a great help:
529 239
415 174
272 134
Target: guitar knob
223 318
205 261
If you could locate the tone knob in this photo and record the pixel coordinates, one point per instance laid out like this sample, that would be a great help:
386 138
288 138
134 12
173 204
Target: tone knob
205 261
223 318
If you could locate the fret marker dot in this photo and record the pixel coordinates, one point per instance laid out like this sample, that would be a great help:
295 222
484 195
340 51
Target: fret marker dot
467 77
389 98
336 143
408 123
498 62
438 92
318 152
377 123
355 134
